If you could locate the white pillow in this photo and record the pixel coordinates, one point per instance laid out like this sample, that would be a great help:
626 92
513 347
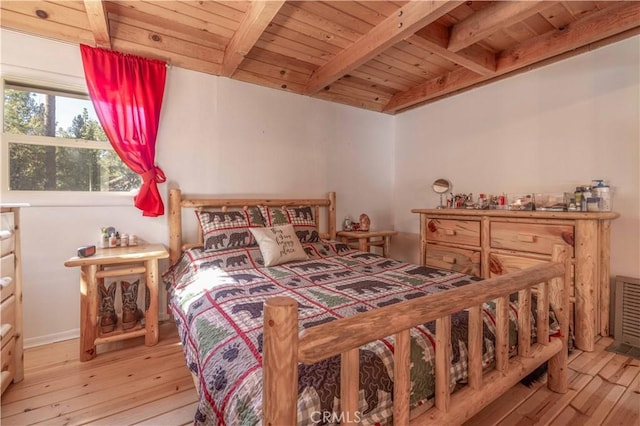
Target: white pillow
279 244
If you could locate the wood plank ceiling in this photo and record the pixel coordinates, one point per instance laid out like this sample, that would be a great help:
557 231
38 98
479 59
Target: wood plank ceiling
385 56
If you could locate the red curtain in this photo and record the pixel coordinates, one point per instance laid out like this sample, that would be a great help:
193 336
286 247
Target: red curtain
127 92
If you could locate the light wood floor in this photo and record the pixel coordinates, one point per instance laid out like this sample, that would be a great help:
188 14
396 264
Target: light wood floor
139 385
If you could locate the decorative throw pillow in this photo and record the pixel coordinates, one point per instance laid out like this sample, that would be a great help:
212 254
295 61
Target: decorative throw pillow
223 230
300 217
278 244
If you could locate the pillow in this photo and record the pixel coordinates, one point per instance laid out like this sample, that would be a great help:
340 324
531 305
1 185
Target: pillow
223 230
278 244
300 217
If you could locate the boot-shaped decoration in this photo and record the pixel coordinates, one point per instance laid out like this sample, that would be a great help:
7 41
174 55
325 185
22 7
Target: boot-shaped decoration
108 317
147 302
130 312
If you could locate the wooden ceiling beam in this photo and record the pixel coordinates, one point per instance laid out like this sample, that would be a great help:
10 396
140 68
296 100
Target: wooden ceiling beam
487 21
622 18
98 22
255 21
406 21
475 58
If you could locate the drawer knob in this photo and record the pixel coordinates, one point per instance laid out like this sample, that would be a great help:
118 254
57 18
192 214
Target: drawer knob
495 266
568 238
526 238
449 259
5 282
449 232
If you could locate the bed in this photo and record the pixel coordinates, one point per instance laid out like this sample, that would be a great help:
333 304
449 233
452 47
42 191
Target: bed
343 336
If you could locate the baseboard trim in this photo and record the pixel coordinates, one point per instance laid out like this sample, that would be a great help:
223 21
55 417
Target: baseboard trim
65 335
51 338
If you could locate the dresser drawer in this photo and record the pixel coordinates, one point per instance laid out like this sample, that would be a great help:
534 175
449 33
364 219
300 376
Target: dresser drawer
453 259
7 276
7 360
7 319
529 237
465 232
7 287
7 237
501 264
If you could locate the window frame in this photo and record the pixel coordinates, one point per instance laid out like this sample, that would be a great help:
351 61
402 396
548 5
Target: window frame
51 198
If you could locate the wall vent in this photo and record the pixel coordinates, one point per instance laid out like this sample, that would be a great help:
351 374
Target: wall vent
627 311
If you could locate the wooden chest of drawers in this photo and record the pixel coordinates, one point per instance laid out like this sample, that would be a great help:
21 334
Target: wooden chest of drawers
11 298
487 243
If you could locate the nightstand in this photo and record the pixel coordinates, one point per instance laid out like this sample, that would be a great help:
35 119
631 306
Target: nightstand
109 263
368 239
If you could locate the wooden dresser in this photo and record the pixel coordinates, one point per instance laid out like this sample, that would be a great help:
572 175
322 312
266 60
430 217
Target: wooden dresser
11 294
487 243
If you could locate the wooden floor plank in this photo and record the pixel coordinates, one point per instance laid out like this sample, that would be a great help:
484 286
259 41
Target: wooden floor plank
52 354
627 411
125 376
141 396
173 417
621 370
592 362
89 380
596 400
151 410
499 409
69 402
545 405
50 373
570 416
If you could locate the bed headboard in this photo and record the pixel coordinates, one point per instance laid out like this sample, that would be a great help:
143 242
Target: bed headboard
177 202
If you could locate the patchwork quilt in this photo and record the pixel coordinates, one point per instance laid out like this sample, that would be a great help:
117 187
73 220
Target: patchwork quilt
217 301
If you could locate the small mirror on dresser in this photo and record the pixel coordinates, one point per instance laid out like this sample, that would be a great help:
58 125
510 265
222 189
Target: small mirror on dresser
441 186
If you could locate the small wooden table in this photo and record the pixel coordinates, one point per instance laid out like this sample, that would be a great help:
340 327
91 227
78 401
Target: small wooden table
114 262
366 239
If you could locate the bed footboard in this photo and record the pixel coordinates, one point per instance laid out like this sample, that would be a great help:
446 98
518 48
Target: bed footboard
284 347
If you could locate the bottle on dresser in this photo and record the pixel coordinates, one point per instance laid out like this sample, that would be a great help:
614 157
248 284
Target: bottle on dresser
586 194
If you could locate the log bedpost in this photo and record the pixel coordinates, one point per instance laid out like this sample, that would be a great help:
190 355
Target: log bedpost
332 216
280 362
558 380
175 225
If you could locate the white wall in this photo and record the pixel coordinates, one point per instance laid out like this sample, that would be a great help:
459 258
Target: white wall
217 136
548 130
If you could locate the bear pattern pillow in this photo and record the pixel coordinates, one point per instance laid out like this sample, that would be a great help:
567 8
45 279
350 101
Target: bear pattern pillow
225 230
301 218
279 244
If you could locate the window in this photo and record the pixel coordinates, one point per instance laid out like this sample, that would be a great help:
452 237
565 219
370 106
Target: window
54 142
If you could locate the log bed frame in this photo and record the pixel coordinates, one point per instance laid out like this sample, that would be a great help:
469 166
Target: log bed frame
285 346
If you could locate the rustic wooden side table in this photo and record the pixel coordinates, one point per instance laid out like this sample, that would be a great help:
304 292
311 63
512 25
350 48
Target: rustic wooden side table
368 239
115 262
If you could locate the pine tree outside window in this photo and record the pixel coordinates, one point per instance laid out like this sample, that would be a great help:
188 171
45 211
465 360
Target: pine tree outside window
52 141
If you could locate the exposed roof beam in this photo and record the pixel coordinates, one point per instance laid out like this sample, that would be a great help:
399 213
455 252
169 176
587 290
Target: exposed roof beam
406 21
487 21
255 21
98 21
475 58
621 18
